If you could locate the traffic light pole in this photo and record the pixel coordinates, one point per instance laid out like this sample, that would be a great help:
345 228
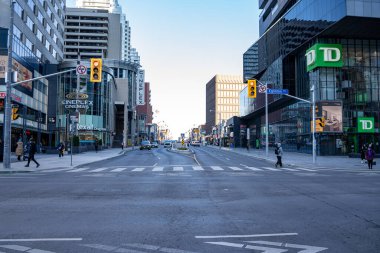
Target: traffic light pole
8 104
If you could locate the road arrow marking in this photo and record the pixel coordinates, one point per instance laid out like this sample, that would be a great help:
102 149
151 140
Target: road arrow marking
241 236
305 248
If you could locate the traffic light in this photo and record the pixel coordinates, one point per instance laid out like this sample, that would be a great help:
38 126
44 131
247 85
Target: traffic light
15 113
96 70
252 88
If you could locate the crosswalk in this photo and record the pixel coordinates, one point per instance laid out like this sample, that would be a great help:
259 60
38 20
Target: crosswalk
176 168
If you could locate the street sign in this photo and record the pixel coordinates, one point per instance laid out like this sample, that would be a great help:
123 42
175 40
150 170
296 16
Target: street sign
262 88
278 91
81 70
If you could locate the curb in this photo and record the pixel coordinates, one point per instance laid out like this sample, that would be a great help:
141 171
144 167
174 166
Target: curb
123 152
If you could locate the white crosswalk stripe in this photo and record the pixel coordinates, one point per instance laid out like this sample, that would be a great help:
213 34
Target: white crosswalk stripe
197 168
235 168
78 170
139 169
216 168
254 169
306 169
158 169
99 170
288 169
119 170
272 169
177 168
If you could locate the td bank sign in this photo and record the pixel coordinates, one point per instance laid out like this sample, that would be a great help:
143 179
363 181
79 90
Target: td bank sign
324 55
366 125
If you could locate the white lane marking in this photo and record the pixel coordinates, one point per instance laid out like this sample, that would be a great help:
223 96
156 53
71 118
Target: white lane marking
98 170
100 247
306 248
197 168
41 239
235 168
289 169
154 164
177 168
272 169
77 170
158 169
228 159
305 169
55 170
239 245
119 170
155 248
139 169
241 236
254 169
15 177
15 247
39 251
216 168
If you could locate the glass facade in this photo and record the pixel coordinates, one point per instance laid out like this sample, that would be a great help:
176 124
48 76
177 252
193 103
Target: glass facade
93 103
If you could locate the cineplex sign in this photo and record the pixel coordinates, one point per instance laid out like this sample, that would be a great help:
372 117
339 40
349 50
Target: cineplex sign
77 101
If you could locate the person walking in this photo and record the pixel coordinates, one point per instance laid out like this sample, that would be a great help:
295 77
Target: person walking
61 149
32 151
369 156
19 149
362 152
96 145
278 152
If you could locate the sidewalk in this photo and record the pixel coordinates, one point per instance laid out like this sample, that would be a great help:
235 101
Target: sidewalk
52 161
301 159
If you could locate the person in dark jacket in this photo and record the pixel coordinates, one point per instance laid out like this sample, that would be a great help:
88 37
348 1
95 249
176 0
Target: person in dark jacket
370 155
363 150
32 151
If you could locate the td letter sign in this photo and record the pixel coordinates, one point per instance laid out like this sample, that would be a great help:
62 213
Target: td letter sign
366 125
324 55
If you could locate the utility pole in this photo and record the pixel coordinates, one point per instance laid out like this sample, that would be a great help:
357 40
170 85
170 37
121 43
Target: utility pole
266 121
8 103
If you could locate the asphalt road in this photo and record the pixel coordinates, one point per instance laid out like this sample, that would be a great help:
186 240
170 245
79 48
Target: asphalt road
213 201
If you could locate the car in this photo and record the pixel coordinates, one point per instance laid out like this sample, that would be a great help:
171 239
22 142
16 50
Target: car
145 145
195 143
154 144
167 144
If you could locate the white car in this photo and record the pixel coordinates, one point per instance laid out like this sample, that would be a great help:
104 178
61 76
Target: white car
195 143
167 144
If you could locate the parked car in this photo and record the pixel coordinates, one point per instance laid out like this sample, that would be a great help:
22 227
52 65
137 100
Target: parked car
195 143
145 145
154 144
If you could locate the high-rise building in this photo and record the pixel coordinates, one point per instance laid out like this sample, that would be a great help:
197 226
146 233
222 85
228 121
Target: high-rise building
95 33
326 48
251 62
222 99
112 6
134 56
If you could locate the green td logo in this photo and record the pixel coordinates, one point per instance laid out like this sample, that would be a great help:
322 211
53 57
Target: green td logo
366 125
324 55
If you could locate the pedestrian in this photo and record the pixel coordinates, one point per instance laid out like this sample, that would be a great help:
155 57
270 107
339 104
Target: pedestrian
19 149
247 145
96 145
122 146
278 152
257 143
61 149
362 152
32 151
369 156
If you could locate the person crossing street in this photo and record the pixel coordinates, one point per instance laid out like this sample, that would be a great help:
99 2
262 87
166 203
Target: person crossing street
32 151
278 152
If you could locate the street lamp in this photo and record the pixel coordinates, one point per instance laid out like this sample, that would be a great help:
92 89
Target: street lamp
220 128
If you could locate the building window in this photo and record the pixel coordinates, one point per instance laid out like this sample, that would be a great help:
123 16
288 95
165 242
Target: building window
38 53
18 9
31 4
28 44
47 45
48 28
29 23
40 17
39 34
16 32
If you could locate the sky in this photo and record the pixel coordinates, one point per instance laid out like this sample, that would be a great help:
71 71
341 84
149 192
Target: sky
182 45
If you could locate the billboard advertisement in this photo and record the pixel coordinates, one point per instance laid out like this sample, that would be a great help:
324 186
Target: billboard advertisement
22 74
329 116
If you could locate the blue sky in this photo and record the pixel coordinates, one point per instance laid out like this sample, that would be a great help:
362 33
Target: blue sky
183 44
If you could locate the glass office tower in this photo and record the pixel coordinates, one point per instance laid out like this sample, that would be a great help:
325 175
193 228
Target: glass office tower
345 94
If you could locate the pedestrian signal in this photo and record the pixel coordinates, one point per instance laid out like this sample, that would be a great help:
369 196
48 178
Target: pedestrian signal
252 88
96 70
15 114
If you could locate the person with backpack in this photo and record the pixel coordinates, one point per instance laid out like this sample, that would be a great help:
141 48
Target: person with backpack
369 156
278 153
61 149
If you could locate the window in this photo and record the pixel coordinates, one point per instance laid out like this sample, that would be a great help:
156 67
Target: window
48 28
39 35
38 53
28 43
18 9
16 32
47 45
31 4
40 17
29 23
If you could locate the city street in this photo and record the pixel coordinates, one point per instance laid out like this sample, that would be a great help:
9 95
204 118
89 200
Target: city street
210 201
